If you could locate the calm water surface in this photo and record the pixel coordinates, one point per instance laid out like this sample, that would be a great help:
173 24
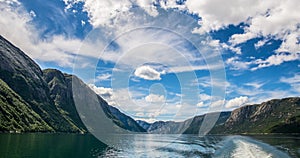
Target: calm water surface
75 145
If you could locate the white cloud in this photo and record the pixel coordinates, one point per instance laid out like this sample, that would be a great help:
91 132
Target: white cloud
10 2
105 12
178 69
277 19
217 105
152 107
204 97
237 102
32 13
102 13
255 85
16 26
201 104
106 93
276 59
148 6
154 98
103 77
291 43
147 73
294 82
260 43
217 14
241 38
236 64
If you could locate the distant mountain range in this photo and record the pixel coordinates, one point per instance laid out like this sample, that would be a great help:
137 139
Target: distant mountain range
274 116
35 100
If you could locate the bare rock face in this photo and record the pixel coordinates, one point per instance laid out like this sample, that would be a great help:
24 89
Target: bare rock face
22 74
267 117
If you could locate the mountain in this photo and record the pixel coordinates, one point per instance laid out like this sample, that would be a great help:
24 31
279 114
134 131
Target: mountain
16 114
189 126
35 100
144 124
60 85
25 78
32 100
274 116
126 121
197 121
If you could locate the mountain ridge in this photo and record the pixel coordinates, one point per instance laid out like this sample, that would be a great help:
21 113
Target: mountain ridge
272 116
45 95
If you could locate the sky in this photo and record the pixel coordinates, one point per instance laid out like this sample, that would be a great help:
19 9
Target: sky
165 59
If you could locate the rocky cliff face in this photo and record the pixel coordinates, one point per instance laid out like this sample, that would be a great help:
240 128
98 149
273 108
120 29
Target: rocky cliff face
267 117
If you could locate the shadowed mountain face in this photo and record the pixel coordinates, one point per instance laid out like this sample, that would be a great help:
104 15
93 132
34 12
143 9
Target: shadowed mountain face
25 78
36 100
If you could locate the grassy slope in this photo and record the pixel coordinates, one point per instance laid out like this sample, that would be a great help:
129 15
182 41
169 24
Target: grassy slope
15 114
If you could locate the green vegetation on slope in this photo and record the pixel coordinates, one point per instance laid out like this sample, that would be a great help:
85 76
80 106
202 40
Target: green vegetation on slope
274 116
25 77
15 114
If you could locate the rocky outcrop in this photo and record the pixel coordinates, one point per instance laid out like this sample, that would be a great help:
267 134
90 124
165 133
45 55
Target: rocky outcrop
267 117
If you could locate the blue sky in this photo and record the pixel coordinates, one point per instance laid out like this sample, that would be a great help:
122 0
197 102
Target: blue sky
165 60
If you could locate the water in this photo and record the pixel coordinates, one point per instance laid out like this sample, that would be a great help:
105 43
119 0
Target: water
75 145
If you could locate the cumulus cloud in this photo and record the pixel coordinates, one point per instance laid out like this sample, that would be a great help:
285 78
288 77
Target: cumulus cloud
217 14
106 93
147 73
155 98
235 63
279 19
276 19
101 13
237 102
204 97
104 13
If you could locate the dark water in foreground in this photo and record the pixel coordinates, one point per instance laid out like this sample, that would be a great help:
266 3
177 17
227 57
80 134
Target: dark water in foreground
75 145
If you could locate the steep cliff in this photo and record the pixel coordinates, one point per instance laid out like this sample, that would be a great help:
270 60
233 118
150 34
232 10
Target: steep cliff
274 116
